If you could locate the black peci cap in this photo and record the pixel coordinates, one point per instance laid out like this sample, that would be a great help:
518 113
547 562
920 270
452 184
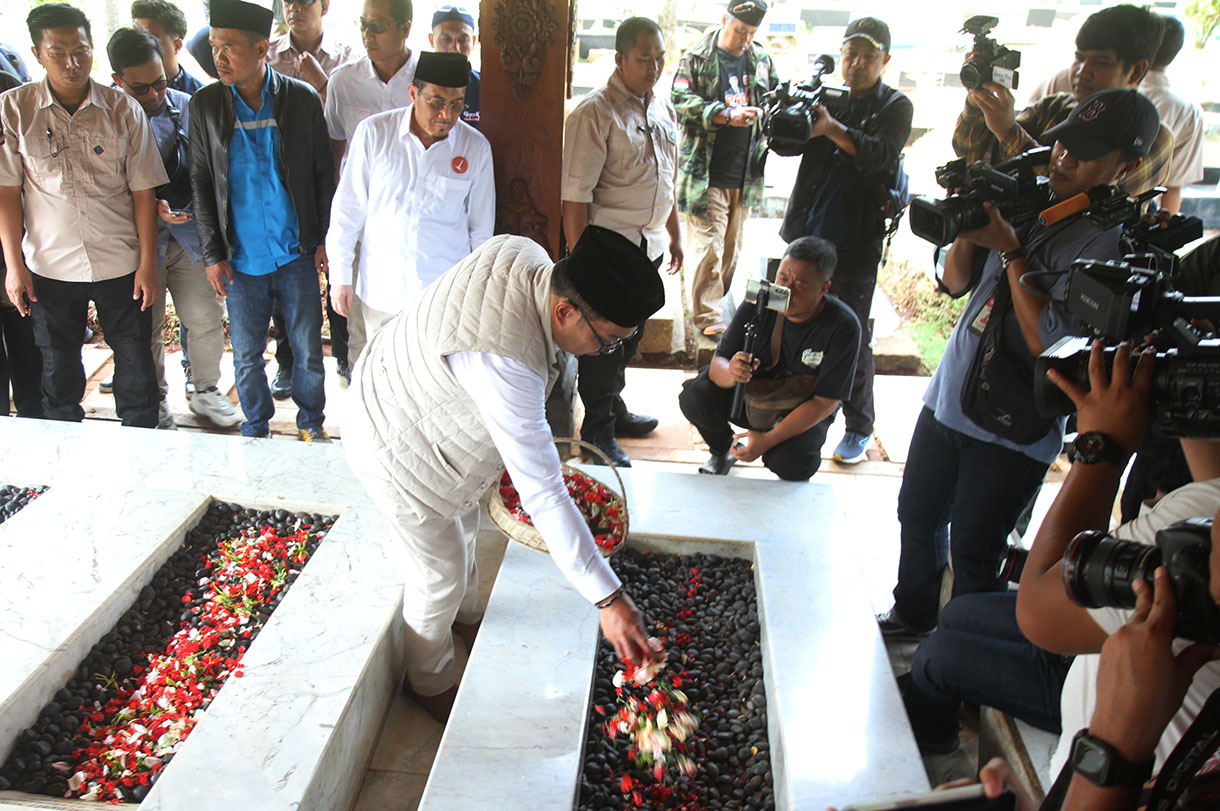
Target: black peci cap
443 69
615 277
241 15
1118 118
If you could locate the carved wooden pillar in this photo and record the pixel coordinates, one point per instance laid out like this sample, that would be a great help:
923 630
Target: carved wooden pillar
525 58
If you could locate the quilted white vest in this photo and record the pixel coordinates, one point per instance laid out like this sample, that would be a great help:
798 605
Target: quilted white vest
410 417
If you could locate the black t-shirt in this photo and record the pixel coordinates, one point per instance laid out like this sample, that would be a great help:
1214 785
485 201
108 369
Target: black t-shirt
727 166
825 346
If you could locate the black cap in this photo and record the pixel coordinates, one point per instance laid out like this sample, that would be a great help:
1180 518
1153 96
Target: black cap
443 69
750 12
452 13
615 277
241 15
871 30
1108 120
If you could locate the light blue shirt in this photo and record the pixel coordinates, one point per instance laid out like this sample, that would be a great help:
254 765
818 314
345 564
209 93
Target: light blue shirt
265 233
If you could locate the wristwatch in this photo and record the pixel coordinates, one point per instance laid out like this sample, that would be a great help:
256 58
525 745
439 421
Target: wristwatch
1092 447
1096 761
1008 257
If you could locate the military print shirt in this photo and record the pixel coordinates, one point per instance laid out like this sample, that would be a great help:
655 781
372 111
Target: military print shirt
696 97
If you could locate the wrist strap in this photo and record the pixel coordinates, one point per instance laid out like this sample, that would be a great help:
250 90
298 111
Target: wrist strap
1008 257
1191 754
609 601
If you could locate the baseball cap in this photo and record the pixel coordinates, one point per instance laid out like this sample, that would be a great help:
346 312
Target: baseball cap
749 12
871 30
452 12
1112 119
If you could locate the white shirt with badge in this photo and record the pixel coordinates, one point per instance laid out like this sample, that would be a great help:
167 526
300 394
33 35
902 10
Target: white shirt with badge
415 212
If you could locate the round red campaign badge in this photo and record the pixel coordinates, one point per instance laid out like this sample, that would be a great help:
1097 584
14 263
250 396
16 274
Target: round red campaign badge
460 165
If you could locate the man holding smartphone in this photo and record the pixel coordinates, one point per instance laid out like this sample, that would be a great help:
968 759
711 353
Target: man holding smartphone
137 62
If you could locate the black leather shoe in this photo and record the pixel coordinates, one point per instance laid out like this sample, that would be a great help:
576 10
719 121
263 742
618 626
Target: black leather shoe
281 387
717 465
893 626
609 446
634 425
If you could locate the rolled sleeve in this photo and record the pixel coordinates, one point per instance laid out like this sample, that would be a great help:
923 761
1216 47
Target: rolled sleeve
584 154
145 169
12 169
511 401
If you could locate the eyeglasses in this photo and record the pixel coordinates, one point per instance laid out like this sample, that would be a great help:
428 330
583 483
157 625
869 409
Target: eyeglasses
376 28
604 347
142 88
299 2
438 104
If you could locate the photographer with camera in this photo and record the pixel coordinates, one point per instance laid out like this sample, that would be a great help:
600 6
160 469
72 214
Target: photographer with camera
848 166
1113 416
795 380
979 451
1114 48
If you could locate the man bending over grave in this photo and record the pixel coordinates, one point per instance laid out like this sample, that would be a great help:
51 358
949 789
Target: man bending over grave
454 387
801 370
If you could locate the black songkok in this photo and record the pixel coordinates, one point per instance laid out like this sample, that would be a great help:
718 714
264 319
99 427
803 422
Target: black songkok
443 69
615 277
241 15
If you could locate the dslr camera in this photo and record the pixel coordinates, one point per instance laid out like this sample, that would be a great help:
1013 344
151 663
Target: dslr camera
991 61
1098 571
1013 186
792 108
1128 300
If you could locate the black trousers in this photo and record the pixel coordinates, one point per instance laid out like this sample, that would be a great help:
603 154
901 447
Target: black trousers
338 333
20 365
707 407
59 326
600 384
853 284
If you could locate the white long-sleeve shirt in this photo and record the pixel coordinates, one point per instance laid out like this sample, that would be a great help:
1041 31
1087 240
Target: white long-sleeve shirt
415 211
512 402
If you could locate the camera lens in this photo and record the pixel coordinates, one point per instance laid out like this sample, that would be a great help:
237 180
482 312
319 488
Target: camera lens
1098 570
972 74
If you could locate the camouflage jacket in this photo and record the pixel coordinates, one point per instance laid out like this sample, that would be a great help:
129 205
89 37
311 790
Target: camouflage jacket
696 98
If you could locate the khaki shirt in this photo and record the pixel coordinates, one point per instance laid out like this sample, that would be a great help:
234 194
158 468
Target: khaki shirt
283 56
78 172
619 157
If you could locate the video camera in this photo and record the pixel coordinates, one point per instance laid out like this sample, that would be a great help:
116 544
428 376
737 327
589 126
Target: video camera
792 108
1098 571
991 61
1013 186
1130 299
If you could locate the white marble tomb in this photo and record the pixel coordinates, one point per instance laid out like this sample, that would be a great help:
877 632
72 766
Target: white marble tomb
297 731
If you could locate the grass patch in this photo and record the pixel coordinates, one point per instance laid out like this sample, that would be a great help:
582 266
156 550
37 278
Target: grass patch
928 313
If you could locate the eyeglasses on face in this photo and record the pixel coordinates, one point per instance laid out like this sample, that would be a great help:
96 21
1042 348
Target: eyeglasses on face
142 88
604 347
375 27
438 104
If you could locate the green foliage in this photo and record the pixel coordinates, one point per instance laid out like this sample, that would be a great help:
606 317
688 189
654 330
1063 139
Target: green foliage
929 314
1205 14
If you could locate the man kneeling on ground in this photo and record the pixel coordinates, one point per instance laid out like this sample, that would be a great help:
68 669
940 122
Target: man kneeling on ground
816 339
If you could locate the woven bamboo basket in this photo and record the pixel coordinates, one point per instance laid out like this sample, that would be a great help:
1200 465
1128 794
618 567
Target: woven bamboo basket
527 534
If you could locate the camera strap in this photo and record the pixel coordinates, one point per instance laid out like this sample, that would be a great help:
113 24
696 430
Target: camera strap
1195 748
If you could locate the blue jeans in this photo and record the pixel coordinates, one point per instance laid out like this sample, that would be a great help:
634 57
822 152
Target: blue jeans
296 286
981 656
978 489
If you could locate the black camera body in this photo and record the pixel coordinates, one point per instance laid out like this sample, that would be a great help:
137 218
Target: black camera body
1012 186
1127 300
792 108
1098 571
991 61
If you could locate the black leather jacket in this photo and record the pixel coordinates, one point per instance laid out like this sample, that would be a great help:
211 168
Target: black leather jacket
306 163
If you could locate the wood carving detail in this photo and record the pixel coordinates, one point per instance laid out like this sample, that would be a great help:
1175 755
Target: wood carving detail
519 215
524 30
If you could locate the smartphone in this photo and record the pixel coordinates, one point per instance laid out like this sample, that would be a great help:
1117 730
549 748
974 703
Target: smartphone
772 296
179 212
964 798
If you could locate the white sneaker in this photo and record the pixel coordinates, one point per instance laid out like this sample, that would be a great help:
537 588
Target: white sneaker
165 418
213 406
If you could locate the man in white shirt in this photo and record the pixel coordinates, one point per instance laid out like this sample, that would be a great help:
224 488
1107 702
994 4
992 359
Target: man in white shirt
1183 117
620 152
379 80
417 193
456 386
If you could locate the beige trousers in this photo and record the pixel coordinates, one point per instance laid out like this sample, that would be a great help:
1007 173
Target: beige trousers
362 322
197 308
714 243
